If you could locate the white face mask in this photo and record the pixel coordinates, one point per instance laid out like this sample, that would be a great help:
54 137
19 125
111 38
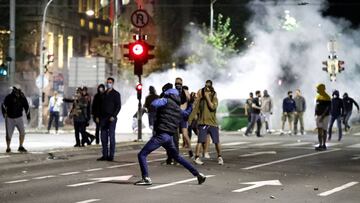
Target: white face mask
109 85
101 89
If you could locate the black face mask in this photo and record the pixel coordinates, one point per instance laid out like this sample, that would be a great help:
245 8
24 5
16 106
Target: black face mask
178 86
290 96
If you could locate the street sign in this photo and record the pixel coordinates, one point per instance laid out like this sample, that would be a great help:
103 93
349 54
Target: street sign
38 82
140 18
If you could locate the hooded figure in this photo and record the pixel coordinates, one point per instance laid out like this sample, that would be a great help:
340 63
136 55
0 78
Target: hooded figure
96 110
336 111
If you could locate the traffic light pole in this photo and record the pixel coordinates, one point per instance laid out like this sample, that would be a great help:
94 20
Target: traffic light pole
139 115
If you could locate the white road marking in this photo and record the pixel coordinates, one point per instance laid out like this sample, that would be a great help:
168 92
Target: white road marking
70 173
258 184
89 200
265 144
44 177
257 153
94 169
122 165
99 180
17 181
354 146
355 157
289 159
4 156
296 144
357 134
175 183
343 187
234 143
330 144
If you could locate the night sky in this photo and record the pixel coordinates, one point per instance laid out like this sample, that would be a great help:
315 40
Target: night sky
348 9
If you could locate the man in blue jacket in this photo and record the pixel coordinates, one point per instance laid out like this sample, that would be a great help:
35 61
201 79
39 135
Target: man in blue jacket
336 111
289 107
168 117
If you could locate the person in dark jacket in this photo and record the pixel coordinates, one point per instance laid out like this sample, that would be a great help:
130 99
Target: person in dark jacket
336 111
96 110
168 117
255 115
12 110
348 107
110 107
150 109
289 107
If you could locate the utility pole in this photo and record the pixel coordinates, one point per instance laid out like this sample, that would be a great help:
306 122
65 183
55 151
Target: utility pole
116 50
212 16
12 42
41 64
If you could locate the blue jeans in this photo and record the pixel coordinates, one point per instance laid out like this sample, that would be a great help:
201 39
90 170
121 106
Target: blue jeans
166 141
331 123
255 118
108 133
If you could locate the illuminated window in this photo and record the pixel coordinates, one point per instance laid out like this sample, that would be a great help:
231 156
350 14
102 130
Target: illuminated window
61 51
50 45
91 25
89 5
97 8
82 22
69 49
99 28
105 13
106 29
80 6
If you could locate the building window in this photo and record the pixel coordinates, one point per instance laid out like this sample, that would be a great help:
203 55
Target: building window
99 28
82 22
91 25
60 51
97 8
69 49
50 45
106 29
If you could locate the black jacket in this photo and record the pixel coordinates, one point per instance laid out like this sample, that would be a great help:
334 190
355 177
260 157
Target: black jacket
168 117
13 106
111 104
96 105
348 104
337 107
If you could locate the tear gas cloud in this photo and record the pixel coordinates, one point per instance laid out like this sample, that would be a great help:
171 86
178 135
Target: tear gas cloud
289 44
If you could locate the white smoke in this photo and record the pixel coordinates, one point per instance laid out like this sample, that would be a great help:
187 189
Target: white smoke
292 55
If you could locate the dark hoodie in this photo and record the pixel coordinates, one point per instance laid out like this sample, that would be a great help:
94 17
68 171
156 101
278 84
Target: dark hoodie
96 105
169 114
348 103
337 107
14 104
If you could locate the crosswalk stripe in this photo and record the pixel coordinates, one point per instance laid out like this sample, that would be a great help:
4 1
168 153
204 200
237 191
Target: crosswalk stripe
234 143
354 146
265 144
343 187
296 144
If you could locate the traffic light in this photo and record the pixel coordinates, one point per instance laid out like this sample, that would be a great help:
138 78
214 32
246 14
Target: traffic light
138 90
325 63
4 70
341 65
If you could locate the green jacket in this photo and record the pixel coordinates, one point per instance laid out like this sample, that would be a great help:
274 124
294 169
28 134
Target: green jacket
206 113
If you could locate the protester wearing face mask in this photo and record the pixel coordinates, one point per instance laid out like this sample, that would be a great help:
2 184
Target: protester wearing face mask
96 110
289 107
110 107
336 111
348 107
12 109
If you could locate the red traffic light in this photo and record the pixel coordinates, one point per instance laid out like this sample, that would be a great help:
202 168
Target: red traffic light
139 87
138 49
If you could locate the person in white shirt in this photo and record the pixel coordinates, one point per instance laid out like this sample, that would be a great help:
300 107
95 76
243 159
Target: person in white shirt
55 103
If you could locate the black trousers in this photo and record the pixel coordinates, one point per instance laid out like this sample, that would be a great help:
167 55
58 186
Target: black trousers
54 116
80 127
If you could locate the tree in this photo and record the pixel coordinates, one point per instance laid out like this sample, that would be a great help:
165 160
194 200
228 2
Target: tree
217 47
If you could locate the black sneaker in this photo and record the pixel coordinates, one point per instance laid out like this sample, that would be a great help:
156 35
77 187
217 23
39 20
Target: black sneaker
110 159
8 150
77 145
144 181
318 148
191 154
324 147
22 149
102 159
201 178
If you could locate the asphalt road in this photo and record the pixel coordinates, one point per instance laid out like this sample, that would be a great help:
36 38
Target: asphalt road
270 169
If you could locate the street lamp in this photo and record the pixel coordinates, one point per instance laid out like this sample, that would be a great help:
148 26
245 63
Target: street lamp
41 89
212 16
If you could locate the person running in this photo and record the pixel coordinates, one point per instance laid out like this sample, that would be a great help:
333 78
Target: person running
168 117
266 110
150 109
255 115
12 109
322 112
207 123
288 112
55 103
348 107
96 110
300 108
336 111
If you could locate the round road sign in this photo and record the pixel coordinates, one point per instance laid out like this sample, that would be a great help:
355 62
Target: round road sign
140 18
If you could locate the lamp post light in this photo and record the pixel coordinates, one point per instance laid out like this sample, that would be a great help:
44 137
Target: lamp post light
212 2
41 64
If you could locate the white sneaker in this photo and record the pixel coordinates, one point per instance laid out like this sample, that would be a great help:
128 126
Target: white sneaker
206 155
220 160
198 161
